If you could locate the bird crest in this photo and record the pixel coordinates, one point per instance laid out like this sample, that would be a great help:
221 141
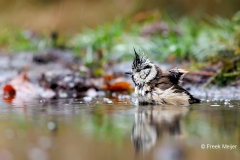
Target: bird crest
139 60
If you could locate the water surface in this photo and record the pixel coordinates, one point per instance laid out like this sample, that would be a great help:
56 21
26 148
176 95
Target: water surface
116 128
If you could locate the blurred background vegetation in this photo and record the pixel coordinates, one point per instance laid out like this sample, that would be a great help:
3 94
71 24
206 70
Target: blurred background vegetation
201 32
73 15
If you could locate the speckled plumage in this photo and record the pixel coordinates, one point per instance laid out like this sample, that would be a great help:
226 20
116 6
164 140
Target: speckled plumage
153 86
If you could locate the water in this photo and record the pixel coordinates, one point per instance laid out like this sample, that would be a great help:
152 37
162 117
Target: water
115 128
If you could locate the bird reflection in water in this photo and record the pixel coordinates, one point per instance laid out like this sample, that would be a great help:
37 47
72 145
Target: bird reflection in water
153 123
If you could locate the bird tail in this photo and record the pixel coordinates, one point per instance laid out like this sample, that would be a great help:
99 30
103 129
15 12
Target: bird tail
194 100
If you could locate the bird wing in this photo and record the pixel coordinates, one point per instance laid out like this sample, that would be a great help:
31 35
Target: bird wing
171 80
168 79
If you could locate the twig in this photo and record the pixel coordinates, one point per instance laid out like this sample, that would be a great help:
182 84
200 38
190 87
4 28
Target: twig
202 73
210 80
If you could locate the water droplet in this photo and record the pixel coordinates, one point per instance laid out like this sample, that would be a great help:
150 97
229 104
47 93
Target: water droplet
87 99
226 103
41 101
215 105
62 94
110 102
52 126
107 100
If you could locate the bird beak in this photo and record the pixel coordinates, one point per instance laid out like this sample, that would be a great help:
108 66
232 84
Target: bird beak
130 73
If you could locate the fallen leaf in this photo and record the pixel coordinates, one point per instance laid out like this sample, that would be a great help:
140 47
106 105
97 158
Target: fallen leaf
8 93
19 87
108 77
116 83
119 86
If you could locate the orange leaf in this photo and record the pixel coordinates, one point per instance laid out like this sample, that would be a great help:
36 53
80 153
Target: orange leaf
108 78
20 86
8 93
120 86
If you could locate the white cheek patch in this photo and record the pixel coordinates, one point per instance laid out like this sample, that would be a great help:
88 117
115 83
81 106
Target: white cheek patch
144 73
152 74
138 79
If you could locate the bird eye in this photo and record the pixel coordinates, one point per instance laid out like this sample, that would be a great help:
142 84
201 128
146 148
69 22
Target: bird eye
146 67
